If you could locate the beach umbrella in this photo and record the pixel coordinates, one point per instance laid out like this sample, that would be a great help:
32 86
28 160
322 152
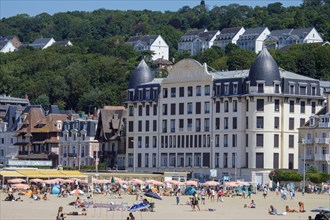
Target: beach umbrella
112 179
136 181
321 209
17 180
174 182
36 180
191 183
20 186
210 183
233 184
76 192
243 183
153 195
138 206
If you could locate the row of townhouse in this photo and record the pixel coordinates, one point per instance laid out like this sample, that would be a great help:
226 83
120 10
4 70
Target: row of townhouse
251 39
12 43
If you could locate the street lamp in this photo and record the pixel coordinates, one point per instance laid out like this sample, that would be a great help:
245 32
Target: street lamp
304 175
133 155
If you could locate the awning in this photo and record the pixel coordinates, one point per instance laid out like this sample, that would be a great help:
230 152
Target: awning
53 173
10 174
72 173
32 173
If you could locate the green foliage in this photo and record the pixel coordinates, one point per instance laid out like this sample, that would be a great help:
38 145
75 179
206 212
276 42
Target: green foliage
285 175
95 71
316 177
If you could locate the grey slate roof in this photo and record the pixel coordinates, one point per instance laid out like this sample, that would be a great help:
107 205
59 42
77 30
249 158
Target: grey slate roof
141 74
80 125
207 35
228 33
194 32
61 43
3 43
254 31
40 42
146 39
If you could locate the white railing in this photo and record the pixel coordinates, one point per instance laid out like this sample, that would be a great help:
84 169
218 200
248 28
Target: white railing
324 124
321 157
309 141
322 140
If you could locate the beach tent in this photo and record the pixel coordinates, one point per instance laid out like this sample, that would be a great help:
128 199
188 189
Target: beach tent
56 190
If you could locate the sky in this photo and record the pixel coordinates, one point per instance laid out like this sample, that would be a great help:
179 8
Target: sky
10 8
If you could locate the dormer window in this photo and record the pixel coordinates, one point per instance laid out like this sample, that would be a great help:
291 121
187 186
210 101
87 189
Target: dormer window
140 94
227 89
235 88
260 88
277 88
313 90
291 89
131 95
302 90
148 94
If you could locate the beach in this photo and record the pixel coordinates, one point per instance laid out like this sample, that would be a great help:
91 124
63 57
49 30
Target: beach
231 208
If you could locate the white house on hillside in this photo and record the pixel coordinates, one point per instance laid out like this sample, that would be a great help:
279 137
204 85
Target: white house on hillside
282 38
153 43
253 39
42 43
197 40
7 46
228 36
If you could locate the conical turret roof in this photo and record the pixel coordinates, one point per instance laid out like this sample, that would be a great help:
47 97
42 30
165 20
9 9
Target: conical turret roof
141 74
264 68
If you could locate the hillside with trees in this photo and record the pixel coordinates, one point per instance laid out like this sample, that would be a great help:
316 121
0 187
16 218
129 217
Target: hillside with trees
95 71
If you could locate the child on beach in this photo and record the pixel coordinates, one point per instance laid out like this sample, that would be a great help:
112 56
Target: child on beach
177 197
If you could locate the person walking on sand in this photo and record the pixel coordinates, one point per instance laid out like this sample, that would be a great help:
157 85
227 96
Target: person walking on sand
177 197
264 193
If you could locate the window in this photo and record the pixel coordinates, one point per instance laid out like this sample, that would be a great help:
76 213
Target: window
260 88
206 124
217 89
148 94
276 105
291 161
260 105
147 125
154 141
181 124
173 109
181 91
276 122
260 140
147 110
226 106
146 141
190 91
276 160
172 124
164 109
165 93
225 140
130 126
233 160
302 107
146 160
247 122
235 88
198 90
217 123
154 160
291 141
198 107
234 122
154 125
181 108
131 110
247 105
226 89
234 105
207 90
206 107
302 121
140 110
291 89
302 90
260 122
291 106
277 88
313 107
313 90
225 123
173 92
225 160
259 160
217 106
189 107
276 140
234 140
155 109
140 96
198 124
189 124
164 126
139 142
291 123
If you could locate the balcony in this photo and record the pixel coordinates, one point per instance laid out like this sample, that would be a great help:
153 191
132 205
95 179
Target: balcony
23 152
309 141
324 125
321 157
72 155
322 140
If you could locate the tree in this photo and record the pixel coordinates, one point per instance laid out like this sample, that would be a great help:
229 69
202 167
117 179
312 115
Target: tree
42 100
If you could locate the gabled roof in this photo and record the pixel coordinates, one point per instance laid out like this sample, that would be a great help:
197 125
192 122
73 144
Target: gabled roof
3 43
110 123
207 36
40 42
254 31
62 43
195 32
233 30
146 39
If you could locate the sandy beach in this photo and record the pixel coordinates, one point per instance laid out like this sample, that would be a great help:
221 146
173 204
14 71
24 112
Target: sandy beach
231 208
